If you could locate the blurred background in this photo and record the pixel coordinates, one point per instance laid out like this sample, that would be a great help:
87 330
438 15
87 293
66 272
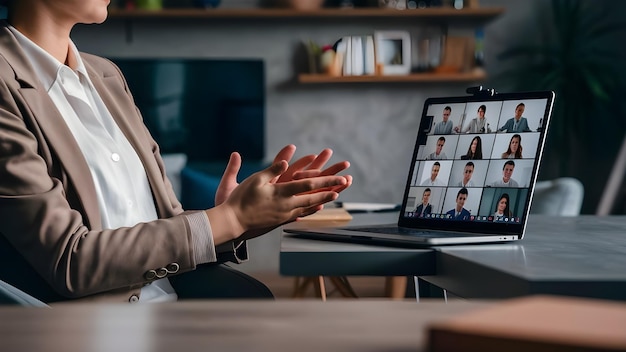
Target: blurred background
573 47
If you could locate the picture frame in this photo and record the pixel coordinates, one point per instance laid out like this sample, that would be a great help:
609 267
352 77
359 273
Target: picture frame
393 52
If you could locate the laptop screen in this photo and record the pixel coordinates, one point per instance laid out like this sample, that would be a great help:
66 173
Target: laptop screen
476 161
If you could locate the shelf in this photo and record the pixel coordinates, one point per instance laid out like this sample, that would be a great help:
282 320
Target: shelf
414 78
261 13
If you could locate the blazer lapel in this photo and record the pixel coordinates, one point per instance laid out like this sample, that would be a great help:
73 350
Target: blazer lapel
53 126
109 86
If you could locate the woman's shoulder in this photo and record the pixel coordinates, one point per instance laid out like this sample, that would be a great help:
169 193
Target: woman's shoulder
100 64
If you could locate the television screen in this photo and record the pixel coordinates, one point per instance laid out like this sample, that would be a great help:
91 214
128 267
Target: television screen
204 108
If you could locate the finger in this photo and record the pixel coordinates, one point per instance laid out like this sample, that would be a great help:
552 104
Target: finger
332 170
337 189
300 175
295 167
232 169
286 153
273 171
321 159
288 189
311 210
228 181
335 168
302 202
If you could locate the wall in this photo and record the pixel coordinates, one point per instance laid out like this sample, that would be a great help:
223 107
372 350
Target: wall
373 126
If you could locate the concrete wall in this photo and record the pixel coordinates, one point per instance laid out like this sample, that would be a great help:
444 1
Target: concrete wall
372 125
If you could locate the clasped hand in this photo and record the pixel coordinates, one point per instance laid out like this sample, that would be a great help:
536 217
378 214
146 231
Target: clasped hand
281 193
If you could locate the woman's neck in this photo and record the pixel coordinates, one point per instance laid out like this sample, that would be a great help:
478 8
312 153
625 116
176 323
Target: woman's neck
43 29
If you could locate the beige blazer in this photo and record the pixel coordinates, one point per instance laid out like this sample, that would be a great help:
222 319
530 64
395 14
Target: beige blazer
49 217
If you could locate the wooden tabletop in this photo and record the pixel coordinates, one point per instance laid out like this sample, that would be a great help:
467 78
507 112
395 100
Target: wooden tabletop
299 325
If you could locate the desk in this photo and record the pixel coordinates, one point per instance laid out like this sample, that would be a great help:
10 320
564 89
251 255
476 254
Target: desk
580 256
303 257
303 325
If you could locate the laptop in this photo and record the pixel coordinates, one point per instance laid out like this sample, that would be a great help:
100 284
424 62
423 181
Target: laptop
471 177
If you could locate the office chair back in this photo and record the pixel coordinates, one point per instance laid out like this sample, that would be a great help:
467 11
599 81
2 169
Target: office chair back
558 197
10 295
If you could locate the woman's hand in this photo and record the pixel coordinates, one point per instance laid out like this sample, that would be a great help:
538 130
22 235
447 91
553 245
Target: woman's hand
310 166
229 179
259 202
305 167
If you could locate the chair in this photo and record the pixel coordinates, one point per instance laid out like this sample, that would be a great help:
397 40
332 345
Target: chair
198 189
10 295
558 197
199 181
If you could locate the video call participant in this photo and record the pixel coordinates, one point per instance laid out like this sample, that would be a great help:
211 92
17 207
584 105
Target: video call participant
478 124
518 123
507 172
424 208
433 180
444 126
459 212
475 150
502 208
438 154
515 148
468 171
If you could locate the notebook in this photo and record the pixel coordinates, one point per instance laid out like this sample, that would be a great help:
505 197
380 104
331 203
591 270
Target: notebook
471 176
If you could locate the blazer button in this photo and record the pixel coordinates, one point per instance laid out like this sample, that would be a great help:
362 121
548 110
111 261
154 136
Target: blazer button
133 299
161 273
173 268
150 275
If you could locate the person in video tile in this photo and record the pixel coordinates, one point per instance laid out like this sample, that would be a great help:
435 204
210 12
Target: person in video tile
502 208
459 212
424 208
468 171
433 180
515 148
478 124
438 154
475 150
507 172
444 126
518 123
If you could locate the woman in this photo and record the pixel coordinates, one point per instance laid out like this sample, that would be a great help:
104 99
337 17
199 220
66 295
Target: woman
478 124
515 148
85 205
475 150
502 208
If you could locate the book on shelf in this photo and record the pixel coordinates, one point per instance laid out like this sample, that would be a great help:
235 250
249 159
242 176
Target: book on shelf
358 56
347 57
369 55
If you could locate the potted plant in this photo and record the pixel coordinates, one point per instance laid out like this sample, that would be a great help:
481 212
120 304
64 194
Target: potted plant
574 48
